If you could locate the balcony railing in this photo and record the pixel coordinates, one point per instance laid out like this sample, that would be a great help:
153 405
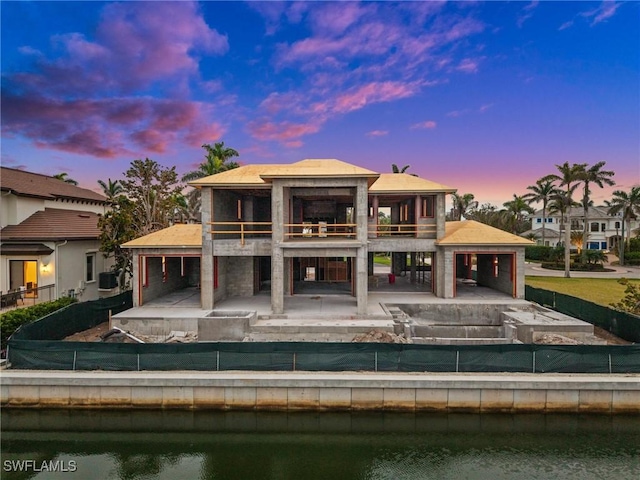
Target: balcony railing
26 297
320 230
403 229
242 229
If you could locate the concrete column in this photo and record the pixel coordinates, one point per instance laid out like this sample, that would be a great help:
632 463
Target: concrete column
137 280
440 215
362 207
206 262
277 256
373 222
412 273
417 212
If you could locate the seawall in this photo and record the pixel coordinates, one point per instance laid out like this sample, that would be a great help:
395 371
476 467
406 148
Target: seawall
317 391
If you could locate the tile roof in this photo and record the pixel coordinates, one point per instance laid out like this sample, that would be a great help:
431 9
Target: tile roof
470 232
176 236
54 224
403 182
29 184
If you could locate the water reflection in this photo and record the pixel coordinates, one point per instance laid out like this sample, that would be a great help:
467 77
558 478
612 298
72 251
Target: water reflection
249 445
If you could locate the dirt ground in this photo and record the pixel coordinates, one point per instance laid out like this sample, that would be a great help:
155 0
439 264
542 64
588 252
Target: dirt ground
93 335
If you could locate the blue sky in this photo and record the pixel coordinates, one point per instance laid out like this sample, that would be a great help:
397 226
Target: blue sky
484 97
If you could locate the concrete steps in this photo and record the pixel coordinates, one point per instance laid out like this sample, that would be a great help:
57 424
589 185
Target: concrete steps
315 326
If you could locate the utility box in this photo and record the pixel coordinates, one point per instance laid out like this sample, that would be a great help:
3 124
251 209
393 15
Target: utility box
107 281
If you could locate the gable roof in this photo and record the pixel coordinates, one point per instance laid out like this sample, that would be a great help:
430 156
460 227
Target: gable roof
403 182
54 224
29 184
176 236
320 167
244 176
470 232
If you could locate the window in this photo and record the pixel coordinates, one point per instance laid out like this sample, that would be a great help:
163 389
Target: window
617 225
91 267
603 227
427 207
595 227
549 220
538 220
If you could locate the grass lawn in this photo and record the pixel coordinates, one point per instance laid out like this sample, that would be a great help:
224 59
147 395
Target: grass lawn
382 260
597 290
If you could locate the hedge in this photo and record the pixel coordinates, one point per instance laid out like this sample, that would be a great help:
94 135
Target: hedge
13 319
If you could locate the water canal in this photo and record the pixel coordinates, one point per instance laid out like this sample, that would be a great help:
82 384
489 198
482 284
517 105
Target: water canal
249 445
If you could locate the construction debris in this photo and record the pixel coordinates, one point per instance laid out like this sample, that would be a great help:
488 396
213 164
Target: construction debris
379 336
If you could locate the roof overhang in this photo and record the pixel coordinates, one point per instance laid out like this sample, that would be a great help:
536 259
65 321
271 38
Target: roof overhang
25 249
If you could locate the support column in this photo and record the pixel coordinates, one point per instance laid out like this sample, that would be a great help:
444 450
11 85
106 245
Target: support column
277 256
206 261
362 210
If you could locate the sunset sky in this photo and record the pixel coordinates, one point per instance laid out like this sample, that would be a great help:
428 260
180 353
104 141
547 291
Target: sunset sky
483 97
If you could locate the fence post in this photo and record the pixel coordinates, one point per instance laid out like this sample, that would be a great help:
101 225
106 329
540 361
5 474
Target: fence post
75 354
376 361
457 359
534 362
609 363
138 362
217 360
294 361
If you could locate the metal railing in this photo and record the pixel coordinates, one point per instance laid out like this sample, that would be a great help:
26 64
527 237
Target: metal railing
403 229
26 297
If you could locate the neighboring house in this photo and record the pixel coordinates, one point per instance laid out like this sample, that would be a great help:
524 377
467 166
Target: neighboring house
279 228
604 230
50 237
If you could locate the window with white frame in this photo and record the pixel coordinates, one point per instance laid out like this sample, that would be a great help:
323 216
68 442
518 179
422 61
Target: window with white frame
90 271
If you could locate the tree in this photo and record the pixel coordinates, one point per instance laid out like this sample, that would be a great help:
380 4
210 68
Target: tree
216 161
462 204
515 211
577 239
152 188
64 176
596 176
489 215
631 301
117 227
543 191
111 189
570 176
629 205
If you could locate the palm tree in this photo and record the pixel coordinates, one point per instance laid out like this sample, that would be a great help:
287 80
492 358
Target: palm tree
570 176
593 175
516 210
216 161
629 205
543 191
462 204
64 176
111 189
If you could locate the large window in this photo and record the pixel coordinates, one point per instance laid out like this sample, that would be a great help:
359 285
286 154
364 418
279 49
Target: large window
90 267
427 209
595 227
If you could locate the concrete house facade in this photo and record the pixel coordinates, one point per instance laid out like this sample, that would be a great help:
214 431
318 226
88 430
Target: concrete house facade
50 237
604 230
281 229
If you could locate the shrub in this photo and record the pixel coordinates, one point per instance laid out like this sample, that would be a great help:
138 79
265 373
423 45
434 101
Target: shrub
13 319
540 253
631 301
634 245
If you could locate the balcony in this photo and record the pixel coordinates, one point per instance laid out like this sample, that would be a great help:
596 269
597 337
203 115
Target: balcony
428 231
241 230
314 231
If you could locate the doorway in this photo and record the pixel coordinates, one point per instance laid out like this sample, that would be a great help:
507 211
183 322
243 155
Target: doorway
24 273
